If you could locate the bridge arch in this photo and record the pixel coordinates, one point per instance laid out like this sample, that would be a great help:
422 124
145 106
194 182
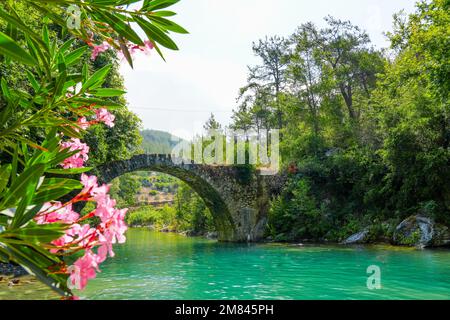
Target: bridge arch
192 174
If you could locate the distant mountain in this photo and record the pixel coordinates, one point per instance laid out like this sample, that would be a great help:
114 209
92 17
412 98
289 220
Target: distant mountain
155 141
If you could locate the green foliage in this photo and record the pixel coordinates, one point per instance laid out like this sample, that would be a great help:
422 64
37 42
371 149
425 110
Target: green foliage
369 133
124 190
159 218
191 212
41 63
295 215
26 185
93 16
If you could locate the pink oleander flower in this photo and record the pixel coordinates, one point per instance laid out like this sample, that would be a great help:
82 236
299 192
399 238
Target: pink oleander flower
83 270
83 235
133 49
96 50
78 237
78 159
82 123
89 183
104 116
55 212
105 208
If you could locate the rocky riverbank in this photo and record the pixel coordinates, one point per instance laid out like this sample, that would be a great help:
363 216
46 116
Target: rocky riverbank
415 231
8 269
187 233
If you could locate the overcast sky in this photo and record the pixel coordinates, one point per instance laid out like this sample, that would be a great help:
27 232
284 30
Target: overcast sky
205 75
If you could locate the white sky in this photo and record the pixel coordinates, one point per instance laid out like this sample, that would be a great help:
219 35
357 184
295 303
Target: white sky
206 74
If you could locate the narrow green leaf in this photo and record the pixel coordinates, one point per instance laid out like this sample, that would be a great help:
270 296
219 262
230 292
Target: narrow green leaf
9 48
169 25
5 172
74 56
69 171
116 21
107 92
160 4
97 78
28 177
155 33
163 13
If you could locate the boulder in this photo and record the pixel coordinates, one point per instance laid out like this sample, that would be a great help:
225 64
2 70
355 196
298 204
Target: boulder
422 232
360 237
212 235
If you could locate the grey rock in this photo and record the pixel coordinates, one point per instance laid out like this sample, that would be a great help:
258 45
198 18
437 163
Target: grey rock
360 237
212 235
421 231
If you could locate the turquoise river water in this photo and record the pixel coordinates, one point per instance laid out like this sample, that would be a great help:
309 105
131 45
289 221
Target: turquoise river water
155 265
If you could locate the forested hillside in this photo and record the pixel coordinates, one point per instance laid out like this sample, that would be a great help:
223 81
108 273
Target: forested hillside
154 141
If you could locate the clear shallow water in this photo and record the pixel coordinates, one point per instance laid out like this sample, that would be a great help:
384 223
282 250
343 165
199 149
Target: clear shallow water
169 266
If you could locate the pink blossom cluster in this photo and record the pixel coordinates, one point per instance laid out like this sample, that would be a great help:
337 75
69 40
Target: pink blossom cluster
110 230
96 243
77 160
97 49
132 48
103 115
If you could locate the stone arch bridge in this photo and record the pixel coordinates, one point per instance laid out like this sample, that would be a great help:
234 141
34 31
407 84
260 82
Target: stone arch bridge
237 196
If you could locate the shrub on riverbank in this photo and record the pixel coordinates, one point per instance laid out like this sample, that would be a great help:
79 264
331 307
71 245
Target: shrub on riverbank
150 216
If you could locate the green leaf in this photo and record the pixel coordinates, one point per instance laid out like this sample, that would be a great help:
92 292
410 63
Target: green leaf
44 233
97 78
75 55
158 50
163 13
98 102
169 25
45 36
19 187
36 263
58 183
33 81
5 172
18 23
28 215
108 92
116 21
69 171
126 52
156 34
159 4
11 49
66 46
5 89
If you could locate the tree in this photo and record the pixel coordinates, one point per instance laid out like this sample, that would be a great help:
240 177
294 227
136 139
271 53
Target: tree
411 109
266 81
212 124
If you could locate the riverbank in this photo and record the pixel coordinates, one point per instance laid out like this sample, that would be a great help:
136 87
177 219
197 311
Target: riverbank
357 239
8 269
